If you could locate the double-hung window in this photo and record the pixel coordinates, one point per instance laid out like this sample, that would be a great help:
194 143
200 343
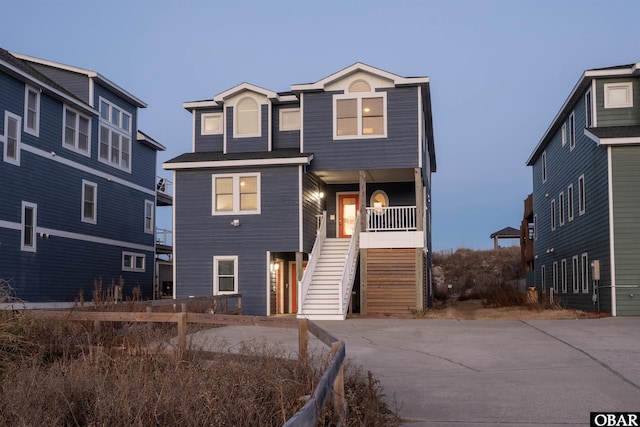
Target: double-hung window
570 210
148 216
115 136
581 196
585 272
563 271
553 214
76 132
133 262
572 131
236 194
12 137
561 207
32 111
225 275
360 113
89 202
576 274
28 229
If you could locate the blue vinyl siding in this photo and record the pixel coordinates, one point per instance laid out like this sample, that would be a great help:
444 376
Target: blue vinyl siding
199 236
75 83
398 149
206 143
248 145
586 233
62 264
312 205
284 139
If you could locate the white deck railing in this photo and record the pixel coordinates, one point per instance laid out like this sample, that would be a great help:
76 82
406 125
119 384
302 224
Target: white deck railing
303 285
164 236
349 271
164 186
392 218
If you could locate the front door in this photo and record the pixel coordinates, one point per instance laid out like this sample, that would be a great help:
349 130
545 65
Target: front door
347 210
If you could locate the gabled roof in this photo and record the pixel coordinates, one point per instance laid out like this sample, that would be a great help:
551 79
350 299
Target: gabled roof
147 140
359 66
88 73
210 159
24 71
583 83
219 98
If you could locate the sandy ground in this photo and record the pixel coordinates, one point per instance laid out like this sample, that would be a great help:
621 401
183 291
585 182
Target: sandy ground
473 310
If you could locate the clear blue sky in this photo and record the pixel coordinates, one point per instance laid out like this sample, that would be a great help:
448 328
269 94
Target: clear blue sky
499 70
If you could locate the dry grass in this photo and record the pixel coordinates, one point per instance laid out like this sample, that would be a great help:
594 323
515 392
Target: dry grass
72 374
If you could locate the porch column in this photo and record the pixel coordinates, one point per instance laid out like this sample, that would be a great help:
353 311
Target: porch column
420 226
362 197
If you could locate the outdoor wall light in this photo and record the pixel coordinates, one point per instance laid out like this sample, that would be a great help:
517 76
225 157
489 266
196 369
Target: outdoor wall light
235 223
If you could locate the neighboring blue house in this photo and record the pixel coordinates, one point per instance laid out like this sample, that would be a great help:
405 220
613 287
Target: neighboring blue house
78 183
586 195
328 176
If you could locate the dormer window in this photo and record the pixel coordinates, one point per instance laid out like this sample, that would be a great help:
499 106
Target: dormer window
360 113
247 118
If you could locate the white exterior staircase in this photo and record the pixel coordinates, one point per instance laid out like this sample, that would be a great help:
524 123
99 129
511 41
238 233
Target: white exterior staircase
322 301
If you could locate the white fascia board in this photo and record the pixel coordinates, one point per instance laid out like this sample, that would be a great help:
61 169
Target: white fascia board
359 66
90 74
591 136
612 141
236 163
610 73
66 98
199 104
143 137
244 86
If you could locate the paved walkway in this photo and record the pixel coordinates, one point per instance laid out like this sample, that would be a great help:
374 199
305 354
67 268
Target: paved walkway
486 372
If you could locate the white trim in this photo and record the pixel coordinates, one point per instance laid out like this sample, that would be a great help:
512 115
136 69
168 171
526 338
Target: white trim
582 194
10 225
290 111
193 132
34 230
563 132
571 211
223 96
359 97
543 281
92 92
269 126
627 86
36 130
563 275
594 108
561 208
204 116
83 218
199 104
392 239
420 129
588 108
173 236
268 282
134 258
232 163
217 258
76 132
302 122
554 225
225 131
575 274
358 66
118 129
612 247
544 166
584 272
54 157
300 211
14 161
151 229
94 239
535 227
554 271
572 131
235 179
628 140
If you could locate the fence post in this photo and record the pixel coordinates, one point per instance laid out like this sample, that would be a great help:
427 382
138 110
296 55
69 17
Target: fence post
182 329
303 340
338 386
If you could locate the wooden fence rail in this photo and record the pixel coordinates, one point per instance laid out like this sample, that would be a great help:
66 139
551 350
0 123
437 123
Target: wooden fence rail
331 381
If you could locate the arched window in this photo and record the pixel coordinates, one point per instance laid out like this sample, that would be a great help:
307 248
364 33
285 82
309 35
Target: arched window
359 86
247 117
379 200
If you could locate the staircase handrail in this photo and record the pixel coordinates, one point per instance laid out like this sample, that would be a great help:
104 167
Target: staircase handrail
349 271
305 282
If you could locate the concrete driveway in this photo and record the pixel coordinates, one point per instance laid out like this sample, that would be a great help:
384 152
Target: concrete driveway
486 372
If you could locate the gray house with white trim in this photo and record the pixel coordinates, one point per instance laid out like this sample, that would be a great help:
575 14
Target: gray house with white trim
79 183
586 195
310 201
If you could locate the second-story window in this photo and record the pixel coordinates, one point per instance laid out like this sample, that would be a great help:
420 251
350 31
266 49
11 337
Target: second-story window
76 132
211 124
360 113
12 136
247 118
115 136
89 202
32 111
148 216
544 166
588 110
236 194
572 131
